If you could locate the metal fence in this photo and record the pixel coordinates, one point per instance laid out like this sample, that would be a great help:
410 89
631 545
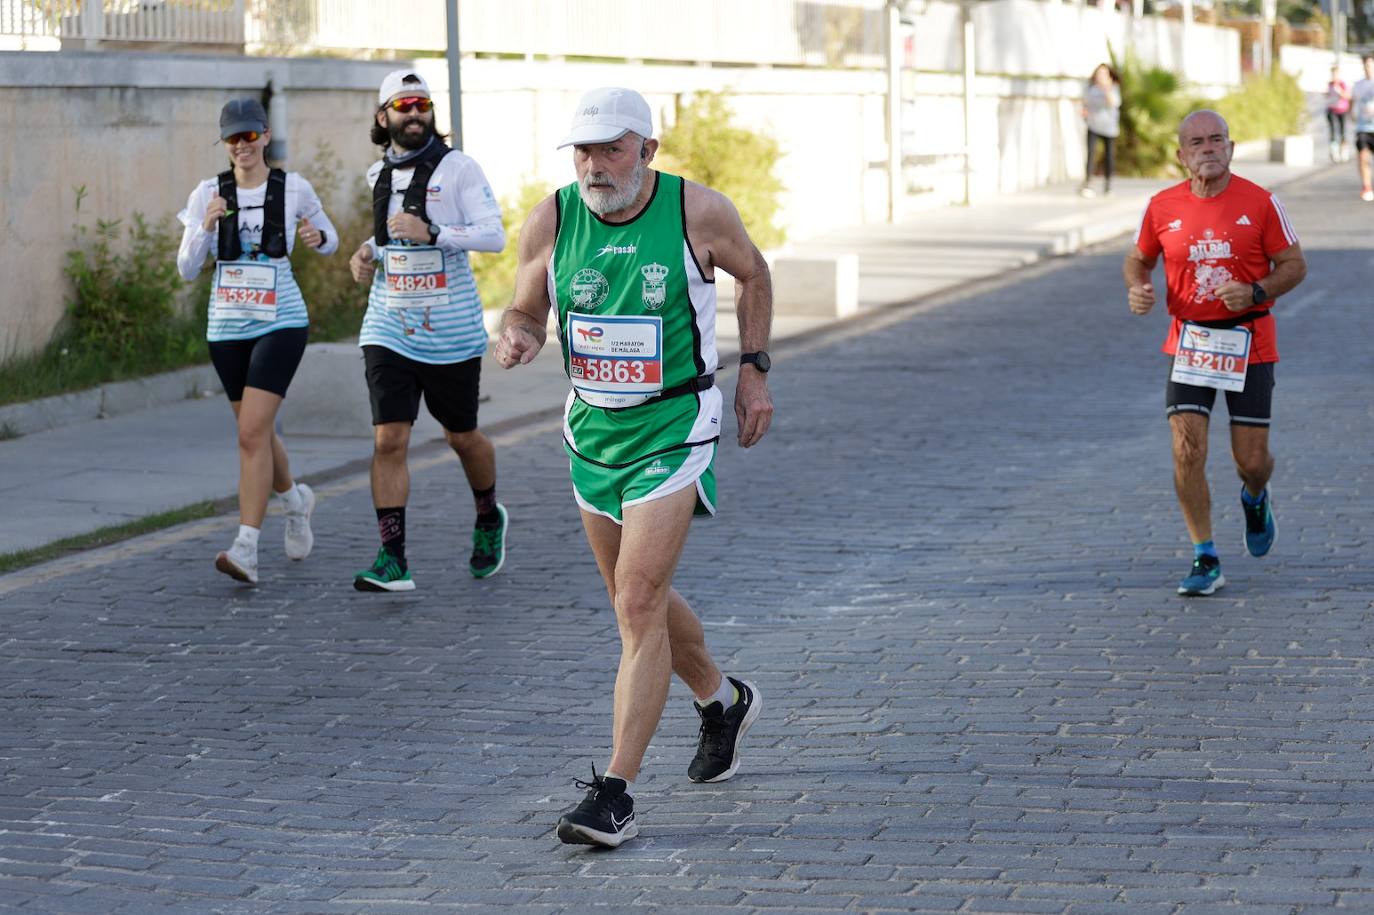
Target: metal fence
844 33
215 22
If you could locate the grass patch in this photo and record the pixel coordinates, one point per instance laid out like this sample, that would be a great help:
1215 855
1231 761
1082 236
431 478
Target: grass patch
10 562
65 366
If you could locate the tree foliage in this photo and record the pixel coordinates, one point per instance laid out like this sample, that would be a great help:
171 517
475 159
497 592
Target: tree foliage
705 147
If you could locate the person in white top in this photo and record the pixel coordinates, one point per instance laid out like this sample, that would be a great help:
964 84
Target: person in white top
1102 115
250 214
1362 107
423 333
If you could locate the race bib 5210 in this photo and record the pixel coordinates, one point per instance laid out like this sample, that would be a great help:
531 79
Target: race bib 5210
1212 357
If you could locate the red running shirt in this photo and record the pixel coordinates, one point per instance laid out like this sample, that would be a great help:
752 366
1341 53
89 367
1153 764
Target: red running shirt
1210 241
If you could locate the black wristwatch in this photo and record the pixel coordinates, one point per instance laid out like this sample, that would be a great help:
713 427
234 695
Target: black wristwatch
758 360
433 234
1257 294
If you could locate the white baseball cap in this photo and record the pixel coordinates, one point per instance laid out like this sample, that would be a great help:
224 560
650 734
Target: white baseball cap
607 114
402 82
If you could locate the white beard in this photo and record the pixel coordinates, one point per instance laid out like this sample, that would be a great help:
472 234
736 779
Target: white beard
601 201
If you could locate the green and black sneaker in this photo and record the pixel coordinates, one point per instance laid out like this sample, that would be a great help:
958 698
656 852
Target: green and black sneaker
388 573
489 547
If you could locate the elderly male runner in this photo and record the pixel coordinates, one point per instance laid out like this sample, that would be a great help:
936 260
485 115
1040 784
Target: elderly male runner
628 256
1229 252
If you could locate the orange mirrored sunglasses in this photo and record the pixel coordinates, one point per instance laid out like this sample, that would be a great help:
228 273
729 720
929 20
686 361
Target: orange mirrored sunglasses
405 105
248 136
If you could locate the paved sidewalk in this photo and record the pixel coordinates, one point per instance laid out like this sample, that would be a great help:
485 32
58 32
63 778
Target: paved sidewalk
77 479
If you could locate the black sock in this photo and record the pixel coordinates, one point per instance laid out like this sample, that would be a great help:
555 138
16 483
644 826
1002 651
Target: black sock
391 525
485 500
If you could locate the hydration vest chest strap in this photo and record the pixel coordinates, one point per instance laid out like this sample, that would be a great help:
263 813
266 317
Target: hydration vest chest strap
273 216
414 200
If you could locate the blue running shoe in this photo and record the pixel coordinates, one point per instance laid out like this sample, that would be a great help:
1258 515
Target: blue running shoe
1259 524
1205 578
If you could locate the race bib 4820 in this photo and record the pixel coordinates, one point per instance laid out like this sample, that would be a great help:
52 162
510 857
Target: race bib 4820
415 277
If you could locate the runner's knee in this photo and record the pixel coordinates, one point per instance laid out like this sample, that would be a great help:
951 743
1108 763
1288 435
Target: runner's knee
640 603
1254 464
1190 445
465 443
391 441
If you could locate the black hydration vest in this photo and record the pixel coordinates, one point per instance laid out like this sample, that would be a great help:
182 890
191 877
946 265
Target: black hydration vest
273 216
414 200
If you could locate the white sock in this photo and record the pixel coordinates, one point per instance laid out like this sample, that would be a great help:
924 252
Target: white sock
627 781
292 500
725 694
248 536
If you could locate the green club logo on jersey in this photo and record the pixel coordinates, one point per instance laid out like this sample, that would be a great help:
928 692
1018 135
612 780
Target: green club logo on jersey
589 288
655 292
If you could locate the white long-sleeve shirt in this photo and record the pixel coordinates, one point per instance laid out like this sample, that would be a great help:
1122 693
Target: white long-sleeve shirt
461 203
198 245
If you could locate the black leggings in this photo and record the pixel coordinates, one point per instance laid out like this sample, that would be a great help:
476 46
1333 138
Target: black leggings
1109 162
1336 123
268 362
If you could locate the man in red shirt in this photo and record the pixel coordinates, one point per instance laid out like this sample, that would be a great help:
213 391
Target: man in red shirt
1229 252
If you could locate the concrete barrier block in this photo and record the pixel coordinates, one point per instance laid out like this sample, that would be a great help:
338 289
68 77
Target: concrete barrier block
819 286
141 393
1295 150
328 396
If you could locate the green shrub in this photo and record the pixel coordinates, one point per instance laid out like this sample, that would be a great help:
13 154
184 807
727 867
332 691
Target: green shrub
1265 106
1153 103
1151 107
495 273
705 147
123 318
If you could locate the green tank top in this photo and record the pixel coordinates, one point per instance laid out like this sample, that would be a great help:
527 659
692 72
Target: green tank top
636 315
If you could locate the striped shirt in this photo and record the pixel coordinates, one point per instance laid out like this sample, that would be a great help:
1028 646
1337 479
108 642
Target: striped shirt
461 203
197 245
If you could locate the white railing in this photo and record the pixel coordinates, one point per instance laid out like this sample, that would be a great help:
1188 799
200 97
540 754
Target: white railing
779 32
160 21
845 33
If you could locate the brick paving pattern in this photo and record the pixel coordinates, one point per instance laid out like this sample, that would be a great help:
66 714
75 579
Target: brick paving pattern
950 569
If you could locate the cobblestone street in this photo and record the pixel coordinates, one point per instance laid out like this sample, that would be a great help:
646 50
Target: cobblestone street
950 568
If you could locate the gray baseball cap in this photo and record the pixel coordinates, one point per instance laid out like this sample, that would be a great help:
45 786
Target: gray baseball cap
239 115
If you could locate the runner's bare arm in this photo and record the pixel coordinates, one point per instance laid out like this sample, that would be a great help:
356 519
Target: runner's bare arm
1289 269
719 236
1135 270
524 320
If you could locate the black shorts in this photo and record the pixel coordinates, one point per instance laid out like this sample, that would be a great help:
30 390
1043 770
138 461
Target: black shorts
1250 407
395 383
268 362
1364 141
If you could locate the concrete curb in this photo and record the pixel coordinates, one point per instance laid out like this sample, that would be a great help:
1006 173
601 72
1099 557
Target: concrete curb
108 400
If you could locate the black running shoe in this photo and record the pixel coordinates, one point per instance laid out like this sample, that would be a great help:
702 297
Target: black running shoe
489 546
722 731
1260 528
606 815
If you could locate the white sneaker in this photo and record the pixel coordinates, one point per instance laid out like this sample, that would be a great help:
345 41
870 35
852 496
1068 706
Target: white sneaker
240 562
300 540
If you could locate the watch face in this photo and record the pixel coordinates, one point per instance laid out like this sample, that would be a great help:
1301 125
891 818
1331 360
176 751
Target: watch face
764 363
759 360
